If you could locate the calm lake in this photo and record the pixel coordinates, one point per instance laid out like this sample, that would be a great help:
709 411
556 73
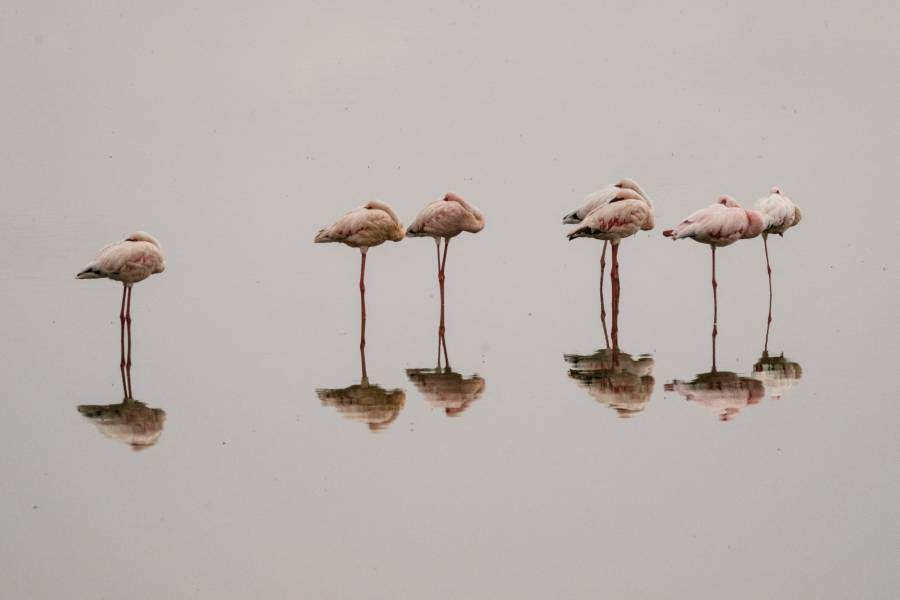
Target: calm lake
536 468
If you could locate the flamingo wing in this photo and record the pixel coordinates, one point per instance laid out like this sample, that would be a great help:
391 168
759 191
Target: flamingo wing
361 227
615 220
126 261
591 202
781 213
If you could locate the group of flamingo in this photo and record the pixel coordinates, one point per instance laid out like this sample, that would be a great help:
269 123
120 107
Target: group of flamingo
611 214
622 209
376 222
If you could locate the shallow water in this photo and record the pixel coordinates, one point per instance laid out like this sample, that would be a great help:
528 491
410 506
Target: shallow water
536 467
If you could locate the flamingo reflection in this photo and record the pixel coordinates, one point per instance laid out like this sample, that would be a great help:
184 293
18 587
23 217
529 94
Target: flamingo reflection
444 388
777 373
129 421
365 402
723 392
614 378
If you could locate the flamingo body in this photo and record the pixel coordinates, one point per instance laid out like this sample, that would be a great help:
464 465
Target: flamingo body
364 227
627 214
602 197
780 211
720 224
131 260
446 218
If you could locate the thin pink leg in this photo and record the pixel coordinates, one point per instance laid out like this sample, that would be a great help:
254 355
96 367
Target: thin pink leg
362 306
602 299
122 341
441 273
614 275
446 357
715 330
128 358
769 271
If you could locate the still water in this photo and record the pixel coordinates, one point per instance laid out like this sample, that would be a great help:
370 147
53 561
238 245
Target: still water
520 459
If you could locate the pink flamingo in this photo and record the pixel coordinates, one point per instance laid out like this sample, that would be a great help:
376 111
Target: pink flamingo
131 260
720 224
363 228
445 218
624 215
592 202
781 214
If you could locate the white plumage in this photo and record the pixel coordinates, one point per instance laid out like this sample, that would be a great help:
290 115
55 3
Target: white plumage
780 211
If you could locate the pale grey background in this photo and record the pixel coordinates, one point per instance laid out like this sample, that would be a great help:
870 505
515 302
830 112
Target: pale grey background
233 131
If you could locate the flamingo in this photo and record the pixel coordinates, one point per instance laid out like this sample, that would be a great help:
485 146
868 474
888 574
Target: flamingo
130 261
364 227
445 218
626 213
592 202
720 224
781 214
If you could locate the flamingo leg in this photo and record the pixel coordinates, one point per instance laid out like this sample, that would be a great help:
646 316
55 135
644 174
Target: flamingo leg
602 299
614 275
128 358
446 357
769 271
122 340
441 272
362 307
715 330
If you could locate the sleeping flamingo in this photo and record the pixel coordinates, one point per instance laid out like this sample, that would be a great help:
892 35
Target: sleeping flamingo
624 215
592 202
720 224
131 260
364 227
781 214
445 218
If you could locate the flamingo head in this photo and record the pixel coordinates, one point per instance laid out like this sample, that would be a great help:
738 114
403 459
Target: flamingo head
775 190
478 217
728 201
142 236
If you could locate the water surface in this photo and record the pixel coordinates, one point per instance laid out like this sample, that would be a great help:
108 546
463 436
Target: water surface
269 466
